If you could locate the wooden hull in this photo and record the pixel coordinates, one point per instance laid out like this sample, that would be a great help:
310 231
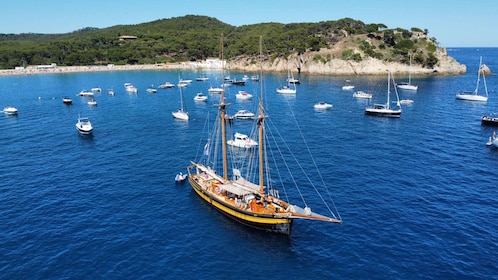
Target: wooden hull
264 222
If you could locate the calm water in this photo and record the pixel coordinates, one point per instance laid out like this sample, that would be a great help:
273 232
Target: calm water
418 195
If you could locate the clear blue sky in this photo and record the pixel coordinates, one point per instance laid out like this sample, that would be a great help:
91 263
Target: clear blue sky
453 23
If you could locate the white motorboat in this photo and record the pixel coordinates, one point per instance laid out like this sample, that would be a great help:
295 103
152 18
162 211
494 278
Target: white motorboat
180 177
215 90
85 93
242 95
110 91
286 90
9 110
406 102
84 126
493 140
183 81
244 114
151 89
96 89
66 100
242 141
255 78
474 95
322 105
166 85
130 88
92 102
291 80
362 94
347 87
200 97
201 79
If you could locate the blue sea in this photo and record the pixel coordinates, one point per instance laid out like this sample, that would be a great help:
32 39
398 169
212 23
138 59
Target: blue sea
418 195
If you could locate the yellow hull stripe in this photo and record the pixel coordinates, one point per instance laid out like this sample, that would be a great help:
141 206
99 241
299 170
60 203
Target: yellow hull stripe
239 215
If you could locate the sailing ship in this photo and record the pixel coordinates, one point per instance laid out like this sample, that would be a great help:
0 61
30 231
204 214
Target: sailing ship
182 113
385 110
474 95
408 85
245 196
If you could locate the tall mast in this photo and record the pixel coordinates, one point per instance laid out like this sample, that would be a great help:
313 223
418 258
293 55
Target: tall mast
478 74
261 118
410 71
222 115
388 88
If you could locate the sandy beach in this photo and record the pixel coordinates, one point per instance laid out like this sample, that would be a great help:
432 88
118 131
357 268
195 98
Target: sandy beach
48 69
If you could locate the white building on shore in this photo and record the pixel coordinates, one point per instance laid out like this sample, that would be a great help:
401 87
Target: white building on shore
46 67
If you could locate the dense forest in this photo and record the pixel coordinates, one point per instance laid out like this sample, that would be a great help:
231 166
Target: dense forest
193 38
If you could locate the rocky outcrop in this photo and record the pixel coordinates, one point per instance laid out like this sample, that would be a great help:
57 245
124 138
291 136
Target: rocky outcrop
485 69
308 63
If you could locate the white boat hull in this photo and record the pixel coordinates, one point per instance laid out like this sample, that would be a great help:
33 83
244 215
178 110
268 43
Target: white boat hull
243 96
215 90
10 110
406 102
361 94
180 115
200 98
85 93
474 95
245 145
407 86
180 177
471 97
324 106
84 126
286 91
242 141
383 112
130 88
494 142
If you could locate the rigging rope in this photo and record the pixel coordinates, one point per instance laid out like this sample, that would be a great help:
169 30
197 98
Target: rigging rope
315 166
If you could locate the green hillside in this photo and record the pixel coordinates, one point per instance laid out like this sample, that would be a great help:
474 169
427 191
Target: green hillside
191 38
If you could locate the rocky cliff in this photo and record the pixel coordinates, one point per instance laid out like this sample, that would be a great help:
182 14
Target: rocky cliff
307 63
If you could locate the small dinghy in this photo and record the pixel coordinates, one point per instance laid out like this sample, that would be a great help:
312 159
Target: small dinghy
180 177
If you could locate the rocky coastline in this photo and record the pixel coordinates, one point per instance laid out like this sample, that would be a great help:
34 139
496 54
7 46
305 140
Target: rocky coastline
304 63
